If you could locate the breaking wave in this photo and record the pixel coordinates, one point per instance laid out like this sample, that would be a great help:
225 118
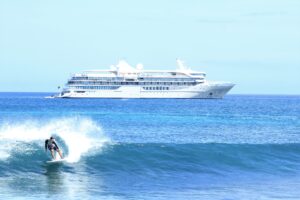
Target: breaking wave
76 136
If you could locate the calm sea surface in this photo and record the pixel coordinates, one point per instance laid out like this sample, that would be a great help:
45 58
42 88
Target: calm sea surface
239 147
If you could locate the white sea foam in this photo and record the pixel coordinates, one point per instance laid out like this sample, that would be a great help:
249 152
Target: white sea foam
80 135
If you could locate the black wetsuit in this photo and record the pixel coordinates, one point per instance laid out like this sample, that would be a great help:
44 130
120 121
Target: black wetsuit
51 145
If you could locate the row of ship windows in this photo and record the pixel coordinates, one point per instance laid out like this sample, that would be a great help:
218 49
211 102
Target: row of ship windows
98 78
115 87
170 79
131 83
97 87
140 79
156 88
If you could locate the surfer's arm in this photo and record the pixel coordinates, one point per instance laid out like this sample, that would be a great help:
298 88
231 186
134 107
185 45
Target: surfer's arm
55 145
46 144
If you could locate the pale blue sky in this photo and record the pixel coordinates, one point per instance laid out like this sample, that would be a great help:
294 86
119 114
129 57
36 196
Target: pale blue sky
254 43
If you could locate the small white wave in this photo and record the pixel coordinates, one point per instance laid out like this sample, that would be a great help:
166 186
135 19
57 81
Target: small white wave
80 135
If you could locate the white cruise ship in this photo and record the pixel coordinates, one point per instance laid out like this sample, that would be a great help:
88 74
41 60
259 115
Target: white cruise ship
125 81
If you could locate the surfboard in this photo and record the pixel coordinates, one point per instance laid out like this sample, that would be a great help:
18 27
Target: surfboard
57 161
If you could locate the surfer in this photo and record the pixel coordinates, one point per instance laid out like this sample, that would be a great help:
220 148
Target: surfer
52 146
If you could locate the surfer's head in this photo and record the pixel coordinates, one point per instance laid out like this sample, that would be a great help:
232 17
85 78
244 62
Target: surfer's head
51 138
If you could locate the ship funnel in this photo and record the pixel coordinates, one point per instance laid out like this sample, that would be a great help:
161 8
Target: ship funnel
124 68
181 65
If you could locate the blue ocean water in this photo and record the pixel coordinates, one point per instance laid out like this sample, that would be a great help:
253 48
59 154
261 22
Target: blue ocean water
239 147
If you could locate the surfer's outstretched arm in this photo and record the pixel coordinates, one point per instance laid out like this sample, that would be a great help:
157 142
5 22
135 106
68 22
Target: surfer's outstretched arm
46 145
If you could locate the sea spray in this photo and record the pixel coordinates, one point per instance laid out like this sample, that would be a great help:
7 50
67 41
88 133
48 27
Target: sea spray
79 134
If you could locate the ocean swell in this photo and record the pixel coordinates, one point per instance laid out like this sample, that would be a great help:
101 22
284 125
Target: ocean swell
210 158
